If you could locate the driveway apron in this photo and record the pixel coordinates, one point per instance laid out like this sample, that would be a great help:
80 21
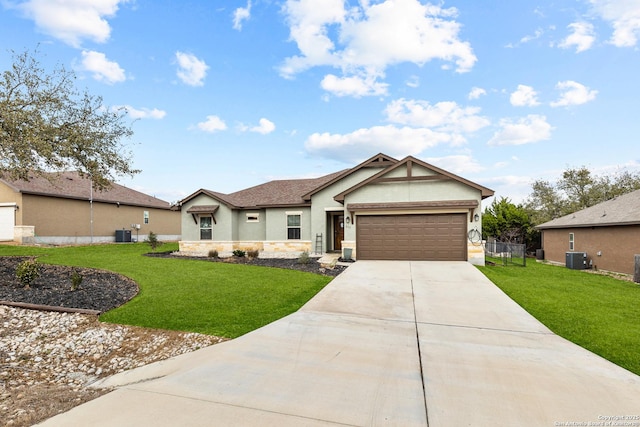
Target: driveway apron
385 343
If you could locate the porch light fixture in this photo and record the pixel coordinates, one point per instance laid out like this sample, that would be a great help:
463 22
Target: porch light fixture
348 220
476 217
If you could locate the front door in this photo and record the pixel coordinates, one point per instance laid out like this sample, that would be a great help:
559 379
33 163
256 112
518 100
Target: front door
338 232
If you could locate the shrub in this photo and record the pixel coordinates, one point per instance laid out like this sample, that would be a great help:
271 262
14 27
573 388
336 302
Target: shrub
304 258
76 280
239 253
213 253
153 241
253 253
28 271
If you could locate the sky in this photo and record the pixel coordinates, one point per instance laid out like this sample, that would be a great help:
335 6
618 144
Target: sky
225 95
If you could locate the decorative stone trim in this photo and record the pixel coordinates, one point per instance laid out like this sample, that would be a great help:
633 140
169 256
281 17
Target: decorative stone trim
268 249
475 253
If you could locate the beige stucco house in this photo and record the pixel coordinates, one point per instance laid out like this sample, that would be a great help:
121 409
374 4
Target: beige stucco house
382 208
609 233
65 210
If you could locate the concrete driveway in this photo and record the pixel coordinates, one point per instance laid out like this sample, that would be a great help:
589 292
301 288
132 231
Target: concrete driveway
386 343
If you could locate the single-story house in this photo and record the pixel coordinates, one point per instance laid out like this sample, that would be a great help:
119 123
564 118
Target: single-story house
64 209
382 208
609 233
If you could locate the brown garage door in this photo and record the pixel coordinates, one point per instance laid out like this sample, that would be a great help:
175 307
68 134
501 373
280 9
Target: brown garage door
440 237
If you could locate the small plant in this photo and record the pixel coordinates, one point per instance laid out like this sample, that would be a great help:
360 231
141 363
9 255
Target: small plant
304 258
253 253
239 253
76 280
153 241
28 271
213 253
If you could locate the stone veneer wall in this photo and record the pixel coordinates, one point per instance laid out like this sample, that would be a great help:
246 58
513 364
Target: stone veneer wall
475 253
268 249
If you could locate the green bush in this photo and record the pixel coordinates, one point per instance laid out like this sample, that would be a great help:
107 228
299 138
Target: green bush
153 241
76 280
304 258
28 271
239 253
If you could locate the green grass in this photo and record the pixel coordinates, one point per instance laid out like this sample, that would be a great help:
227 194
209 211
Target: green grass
599 313
220 299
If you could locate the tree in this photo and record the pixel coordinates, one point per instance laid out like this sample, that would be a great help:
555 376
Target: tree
577 189
47 125
506 222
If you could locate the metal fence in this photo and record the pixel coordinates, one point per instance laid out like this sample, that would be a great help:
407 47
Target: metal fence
506 253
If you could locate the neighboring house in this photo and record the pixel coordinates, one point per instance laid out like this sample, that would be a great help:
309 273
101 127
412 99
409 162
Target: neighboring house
608 232
65 210
382 208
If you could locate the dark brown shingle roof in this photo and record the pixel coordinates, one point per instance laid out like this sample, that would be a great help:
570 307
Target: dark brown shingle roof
70 185
622 210
285 192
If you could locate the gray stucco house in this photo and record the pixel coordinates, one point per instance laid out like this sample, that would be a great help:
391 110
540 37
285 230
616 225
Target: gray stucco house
382 208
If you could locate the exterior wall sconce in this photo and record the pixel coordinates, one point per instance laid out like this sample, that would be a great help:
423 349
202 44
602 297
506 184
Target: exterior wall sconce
348 220
476 217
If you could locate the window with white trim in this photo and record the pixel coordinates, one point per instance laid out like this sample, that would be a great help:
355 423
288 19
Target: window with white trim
293 225
253 217
571 241
206 228
145 217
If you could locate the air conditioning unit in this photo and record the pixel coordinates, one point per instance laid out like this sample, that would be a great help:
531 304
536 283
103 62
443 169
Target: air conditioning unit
576 260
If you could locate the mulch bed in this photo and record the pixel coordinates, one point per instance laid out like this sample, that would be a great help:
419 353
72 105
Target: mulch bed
100 290
312 266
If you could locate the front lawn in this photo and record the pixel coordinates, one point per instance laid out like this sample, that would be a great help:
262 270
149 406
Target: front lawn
221 299
599 313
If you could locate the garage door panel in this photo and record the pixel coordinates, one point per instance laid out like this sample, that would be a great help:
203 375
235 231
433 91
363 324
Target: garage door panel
438 237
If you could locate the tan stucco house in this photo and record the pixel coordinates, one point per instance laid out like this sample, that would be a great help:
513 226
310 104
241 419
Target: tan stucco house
609 233
65 210
382 208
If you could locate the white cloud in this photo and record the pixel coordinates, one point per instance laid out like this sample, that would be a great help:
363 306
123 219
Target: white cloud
574 94
241 14
365 39
72 21
524 96
526 130
103 70
624 16
265 126
476 92
444 116
536 35
416 126
395 141
459 164
212 124
353 86
191 70
582 37
144 113
413 81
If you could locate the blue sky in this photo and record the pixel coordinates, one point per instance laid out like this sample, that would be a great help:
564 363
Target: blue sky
224 95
